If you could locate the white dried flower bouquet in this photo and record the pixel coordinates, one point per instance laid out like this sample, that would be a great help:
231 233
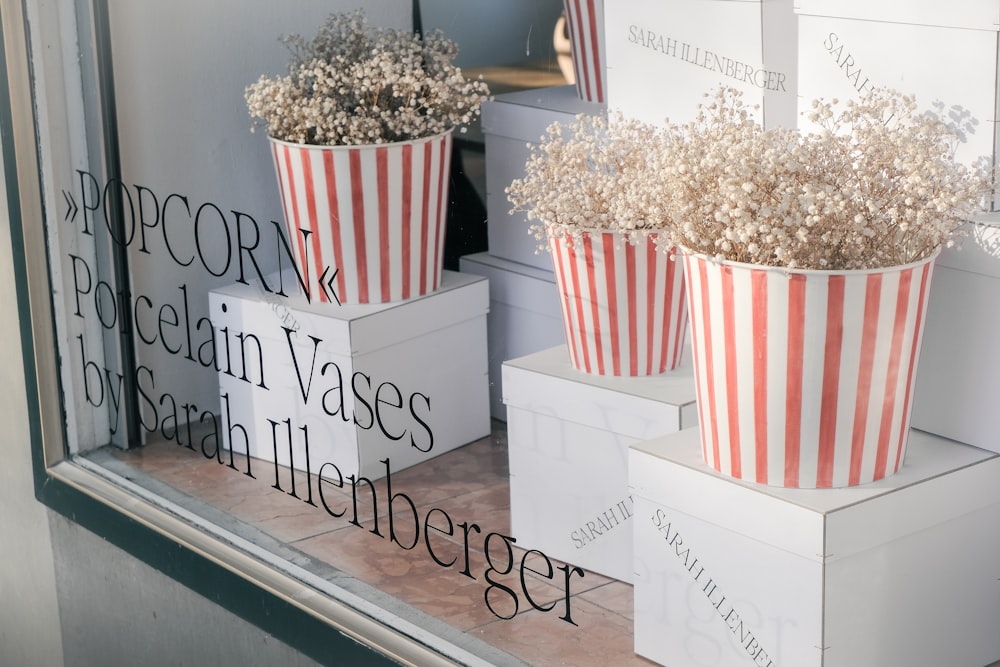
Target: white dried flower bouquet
354 84
592 175
875 186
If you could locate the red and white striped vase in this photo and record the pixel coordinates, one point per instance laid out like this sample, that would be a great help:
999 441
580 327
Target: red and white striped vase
585 25
373 216
622 303
805 378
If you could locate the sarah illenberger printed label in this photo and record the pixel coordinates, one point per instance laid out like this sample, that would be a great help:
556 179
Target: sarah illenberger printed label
735 623
751 74
594 528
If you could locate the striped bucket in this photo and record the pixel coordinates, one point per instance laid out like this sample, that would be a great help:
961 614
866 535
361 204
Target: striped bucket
371 217
623 303
805 378
585 25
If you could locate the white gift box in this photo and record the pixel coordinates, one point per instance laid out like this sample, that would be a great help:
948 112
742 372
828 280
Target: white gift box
524 315
402 381
510 122
943 53
957 393
664 56
568 434
902 571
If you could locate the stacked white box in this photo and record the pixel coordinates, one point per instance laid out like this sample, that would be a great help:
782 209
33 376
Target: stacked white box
568 435
524 315
664 56
957 394
943 53
903 571
405 381
510 122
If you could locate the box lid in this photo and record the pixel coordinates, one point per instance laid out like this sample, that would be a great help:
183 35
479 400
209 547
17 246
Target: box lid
970 14
546 382
525 114
980 251
939 480
358 329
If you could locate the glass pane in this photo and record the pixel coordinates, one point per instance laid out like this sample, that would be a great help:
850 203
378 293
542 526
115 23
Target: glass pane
194 333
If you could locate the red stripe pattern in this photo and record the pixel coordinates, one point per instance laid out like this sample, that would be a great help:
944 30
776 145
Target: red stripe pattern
623 304
377 213
804 379
585 24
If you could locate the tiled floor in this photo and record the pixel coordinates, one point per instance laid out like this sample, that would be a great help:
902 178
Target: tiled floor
470 485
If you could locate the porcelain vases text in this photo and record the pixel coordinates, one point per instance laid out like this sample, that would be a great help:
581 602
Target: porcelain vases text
805 378
585 25
622 303
370 217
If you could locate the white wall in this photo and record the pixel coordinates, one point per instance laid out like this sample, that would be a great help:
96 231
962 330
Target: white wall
146 618
29 621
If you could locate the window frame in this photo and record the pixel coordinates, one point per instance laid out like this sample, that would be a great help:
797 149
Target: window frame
278 597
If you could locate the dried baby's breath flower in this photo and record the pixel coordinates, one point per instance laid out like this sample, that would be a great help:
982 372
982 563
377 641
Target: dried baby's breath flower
591 175
875 186
355 84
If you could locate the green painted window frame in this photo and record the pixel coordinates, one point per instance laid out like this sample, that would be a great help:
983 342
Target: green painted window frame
318 626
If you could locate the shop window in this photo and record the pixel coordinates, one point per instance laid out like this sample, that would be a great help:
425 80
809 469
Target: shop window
174 334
